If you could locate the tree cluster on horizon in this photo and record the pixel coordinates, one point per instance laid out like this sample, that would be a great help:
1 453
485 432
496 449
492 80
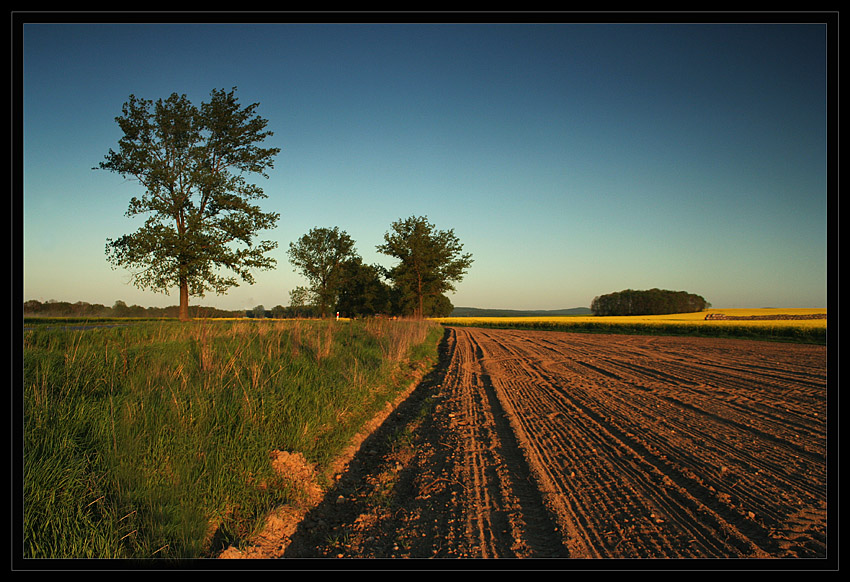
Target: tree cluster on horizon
649 302
430 261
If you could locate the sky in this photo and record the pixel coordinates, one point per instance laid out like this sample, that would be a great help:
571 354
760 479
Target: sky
570 159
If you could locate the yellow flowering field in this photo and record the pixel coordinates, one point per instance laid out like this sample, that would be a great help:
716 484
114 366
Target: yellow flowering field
697 317
678 323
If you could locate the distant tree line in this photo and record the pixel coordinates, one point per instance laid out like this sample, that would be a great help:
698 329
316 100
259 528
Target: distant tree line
52 308
650 302
430 262
281 312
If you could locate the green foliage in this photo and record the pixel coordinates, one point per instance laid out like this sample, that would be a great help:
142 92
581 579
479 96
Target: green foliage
363 292
430 262
651 302
201 212
438 306
321 255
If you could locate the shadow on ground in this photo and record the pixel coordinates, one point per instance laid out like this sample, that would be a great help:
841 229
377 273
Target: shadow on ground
377 508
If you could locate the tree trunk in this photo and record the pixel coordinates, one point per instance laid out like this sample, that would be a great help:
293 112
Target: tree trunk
183 266
183 313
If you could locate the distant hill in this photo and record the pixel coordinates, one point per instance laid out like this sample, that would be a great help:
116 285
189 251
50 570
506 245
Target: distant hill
476 312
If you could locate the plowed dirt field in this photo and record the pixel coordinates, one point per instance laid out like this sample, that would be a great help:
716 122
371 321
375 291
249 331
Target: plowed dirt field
561 445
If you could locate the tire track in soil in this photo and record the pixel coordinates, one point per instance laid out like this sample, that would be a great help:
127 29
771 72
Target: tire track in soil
551 444
460 489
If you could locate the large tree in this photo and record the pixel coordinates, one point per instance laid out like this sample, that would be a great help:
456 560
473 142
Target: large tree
202 216
321 255
431 261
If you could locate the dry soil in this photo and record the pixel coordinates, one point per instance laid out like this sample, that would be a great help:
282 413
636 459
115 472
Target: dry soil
559 445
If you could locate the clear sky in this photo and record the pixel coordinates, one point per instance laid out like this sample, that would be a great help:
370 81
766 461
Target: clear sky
571 160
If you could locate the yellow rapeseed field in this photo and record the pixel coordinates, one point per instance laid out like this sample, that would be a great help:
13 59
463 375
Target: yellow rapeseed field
698 318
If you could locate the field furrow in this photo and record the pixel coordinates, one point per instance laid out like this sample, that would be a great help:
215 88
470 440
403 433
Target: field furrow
663 447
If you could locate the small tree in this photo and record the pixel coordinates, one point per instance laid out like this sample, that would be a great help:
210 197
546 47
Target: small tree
300 301
191 162
362 292
321 255
439 306
431 261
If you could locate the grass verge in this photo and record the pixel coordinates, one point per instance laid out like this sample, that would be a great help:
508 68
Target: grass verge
142 441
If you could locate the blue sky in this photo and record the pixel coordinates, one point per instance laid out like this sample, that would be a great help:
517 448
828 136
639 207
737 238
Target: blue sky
571 160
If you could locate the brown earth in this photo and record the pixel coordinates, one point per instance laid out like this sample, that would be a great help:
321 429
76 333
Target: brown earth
562 445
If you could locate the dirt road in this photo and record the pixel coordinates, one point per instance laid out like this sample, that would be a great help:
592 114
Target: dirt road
559 445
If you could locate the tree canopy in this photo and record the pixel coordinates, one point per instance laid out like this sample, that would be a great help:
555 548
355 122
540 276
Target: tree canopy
650 302
431 261
363 291
202 216
321 255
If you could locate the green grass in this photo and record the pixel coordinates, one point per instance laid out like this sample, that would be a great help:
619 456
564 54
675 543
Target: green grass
153 440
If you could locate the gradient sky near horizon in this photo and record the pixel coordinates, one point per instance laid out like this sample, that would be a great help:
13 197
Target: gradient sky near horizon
571 160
